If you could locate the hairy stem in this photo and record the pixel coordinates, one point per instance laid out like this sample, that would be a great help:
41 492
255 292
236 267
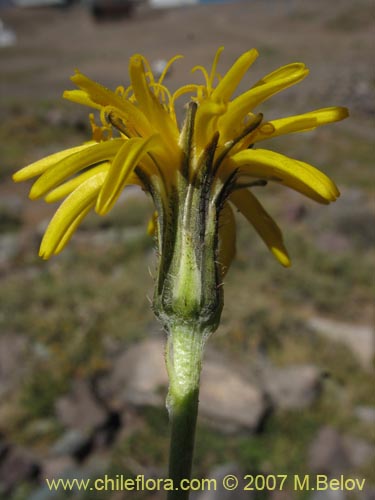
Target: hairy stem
184 359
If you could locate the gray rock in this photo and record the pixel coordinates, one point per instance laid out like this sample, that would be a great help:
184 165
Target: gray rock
292 387
327 454
137 376
70 443
80 409
332 453
55 467
96 466
366 414
228 400
218 474
360 452
358 338
17 465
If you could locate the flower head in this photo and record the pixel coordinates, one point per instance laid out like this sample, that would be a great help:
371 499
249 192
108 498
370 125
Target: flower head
139 141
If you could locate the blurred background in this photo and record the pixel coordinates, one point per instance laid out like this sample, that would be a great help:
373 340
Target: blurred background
288 386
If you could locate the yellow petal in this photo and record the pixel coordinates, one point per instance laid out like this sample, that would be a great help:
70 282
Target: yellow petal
262 222
69 232
69 214
96 92
104 97
300 123
68 187
72 164
81 97
206 119
122 167
158 117
268 86
227 238
40 166
283 73
300 176
233 77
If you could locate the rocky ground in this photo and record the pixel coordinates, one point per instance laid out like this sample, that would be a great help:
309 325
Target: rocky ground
288 382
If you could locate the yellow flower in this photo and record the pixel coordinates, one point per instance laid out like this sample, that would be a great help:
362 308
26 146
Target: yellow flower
140 142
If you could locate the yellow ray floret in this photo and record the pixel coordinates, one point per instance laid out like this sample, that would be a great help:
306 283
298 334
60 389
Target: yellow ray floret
262 222
149 104
271 84
102 97
300 176
299 123
69 215
231 80
139 141
72 164
127 158
40 166
68 187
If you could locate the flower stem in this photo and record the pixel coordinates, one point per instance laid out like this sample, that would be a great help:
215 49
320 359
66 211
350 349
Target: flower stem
184 359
